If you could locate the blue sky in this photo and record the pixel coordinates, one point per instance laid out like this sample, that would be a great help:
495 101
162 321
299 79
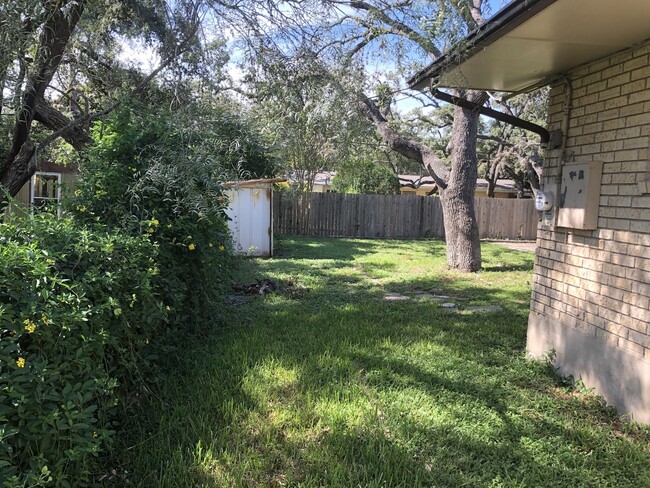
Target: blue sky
405 103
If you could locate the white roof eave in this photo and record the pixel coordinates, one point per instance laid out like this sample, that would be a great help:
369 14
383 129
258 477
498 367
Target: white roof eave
566 34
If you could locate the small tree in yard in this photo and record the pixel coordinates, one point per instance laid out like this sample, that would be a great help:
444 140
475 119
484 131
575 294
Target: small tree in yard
365 177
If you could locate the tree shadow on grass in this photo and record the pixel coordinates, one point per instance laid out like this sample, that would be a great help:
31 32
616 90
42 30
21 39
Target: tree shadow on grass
339 387
343 249
519 447
297 247
357 411
495 256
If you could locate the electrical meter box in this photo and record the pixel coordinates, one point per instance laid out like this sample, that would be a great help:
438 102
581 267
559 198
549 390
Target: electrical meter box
579 196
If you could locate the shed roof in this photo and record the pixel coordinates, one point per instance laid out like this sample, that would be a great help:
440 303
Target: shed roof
529 42
261 183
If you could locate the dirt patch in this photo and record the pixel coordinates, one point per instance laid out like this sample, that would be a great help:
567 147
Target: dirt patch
268 285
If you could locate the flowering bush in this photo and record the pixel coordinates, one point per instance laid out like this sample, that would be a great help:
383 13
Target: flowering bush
158 175
142 258
77 311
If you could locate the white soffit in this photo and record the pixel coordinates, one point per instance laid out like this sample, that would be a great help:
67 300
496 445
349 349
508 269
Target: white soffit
566 34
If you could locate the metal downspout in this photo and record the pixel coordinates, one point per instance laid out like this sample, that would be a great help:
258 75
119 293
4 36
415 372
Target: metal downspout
544 135
566 117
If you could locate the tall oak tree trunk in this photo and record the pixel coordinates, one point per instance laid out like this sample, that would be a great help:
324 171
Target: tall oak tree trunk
461 228
456 187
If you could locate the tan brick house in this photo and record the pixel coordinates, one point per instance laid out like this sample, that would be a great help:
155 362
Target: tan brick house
591 293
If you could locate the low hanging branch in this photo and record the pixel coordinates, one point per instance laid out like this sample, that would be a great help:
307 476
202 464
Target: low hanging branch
75 124
413 150
19 168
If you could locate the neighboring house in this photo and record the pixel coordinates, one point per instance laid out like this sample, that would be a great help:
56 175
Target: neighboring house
502 189
591 292
323 181
45 187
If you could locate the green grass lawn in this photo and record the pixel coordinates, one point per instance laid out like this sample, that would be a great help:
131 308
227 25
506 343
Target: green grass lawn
339 387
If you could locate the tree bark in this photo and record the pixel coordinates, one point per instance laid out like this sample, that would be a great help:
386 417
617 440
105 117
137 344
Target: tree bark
456 187
492 176
461 228
77 135
19 166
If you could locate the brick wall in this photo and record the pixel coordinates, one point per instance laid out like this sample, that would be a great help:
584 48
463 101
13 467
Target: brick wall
598 282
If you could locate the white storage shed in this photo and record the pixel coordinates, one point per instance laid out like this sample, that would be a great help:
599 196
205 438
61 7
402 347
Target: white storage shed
251 216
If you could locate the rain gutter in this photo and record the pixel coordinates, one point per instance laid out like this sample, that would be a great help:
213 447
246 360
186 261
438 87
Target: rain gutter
504 21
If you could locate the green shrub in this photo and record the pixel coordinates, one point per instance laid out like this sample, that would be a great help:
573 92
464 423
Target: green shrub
88 302
77 311
365 177
158 174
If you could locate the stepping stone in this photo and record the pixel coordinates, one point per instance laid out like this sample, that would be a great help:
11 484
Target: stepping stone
424 296
484 308
448 305
395 297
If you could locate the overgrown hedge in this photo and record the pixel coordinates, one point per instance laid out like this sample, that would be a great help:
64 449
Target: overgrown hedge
88 302
77 310
158 174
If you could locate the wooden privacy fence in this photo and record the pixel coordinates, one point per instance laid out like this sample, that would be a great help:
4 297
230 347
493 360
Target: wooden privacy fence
395 216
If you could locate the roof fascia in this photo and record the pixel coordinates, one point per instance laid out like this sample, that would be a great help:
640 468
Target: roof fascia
503 22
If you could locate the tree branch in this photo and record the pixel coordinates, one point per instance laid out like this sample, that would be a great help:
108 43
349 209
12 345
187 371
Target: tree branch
501 141
398 27
54 37
74 134
470 10
62 131
414 150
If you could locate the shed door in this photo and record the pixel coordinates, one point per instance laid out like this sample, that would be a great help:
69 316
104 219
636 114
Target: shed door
250 225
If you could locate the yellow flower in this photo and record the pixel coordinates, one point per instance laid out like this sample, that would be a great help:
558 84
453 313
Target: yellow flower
191 246
221 247
150 230
155 222
168 308
210 244
20 362
29 326
77 193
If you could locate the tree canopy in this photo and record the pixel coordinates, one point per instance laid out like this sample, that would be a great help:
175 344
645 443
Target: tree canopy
321 79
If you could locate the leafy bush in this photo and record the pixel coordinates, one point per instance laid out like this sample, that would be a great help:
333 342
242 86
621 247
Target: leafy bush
141 260
77 311
365 177
158 174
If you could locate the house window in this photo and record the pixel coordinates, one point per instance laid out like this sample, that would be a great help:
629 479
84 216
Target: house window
46 192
